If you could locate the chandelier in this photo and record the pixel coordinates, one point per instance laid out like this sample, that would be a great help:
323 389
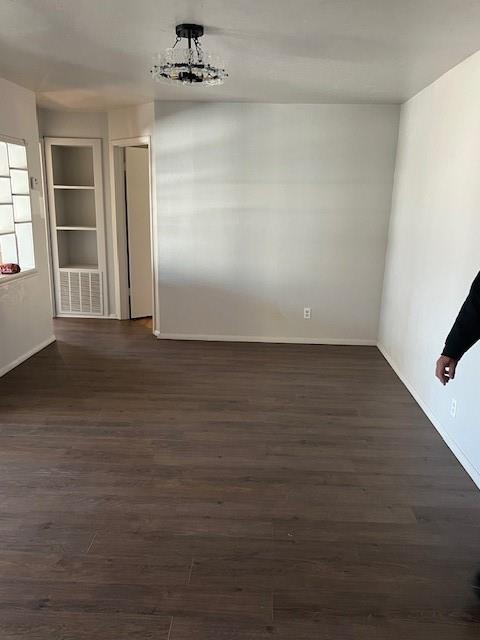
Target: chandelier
190 65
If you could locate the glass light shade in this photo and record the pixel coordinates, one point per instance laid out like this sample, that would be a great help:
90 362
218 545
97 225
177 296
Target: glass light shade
189 66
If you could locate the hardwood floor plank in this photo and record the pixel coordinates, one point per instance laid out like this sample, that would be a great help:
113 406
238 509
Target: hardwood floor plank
137 599
418 533
404 602
316 629
56 625
61 567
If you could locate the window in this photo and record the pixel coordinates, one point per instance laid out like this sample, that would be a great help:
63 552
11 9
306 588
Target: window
16 235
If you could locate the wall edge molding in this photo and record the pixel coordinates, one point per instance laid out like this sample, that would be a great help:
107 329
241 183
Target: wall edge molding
265 339
27 355
451 443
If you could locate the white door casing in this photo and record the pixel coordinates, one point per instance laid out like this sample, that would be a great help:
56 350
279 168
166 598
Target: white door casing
139 233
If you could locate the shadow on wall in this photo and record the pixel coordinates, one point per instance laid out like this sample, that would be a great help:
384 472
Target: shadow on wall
196 307
266 142
276 207
201 308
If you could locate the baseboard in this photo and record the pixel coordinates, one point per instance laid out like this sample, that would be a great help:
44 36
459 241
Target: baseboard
83 317
457 451
27 355
278 340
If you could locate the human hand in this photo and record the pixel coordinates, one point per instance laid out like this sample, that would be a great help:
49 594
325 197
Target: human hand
445 369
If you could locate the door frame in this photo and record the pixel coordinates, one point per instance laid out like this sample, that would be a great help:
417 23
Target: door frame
119 228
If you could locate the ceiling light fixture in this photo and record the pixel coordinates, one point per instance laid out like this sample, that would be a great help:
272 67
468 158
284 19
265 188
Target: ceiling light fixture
189 65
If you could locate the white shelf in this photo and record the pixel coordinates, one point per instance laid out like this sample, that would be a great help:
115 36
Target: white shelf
79 267
76 228
72 186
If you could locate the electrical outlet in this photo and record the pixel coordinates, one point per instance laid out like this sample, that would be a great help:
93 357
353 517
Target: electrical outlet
453 408
307 313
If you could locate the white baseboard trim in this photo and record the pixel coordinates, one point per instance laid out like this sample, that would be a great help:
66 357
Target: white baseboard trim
82 317
27 355
279 340
457 451
156 333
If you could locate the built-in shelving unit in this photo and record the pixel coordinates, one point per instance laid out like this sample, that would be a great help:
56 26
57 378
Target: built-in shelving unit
75 197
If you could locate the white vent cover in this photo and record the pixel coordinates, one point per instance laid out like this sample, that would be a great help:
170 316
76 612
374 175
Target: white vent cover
81 292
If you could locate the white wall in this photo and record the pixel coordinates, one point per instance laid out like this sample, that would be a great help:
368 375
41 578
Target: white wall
131 122
25 310
265 209
434 250
81 124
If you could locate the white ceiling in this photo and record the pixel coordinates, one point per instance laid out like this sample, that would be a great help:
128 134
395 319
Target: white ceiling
96 54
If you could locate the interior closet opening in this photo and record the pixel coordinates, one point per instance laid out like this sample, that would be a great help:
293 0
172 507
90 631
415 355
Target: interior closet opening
137 200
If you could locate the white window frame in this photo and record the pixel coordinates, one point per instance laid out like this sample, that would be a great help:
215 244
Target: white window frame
11 277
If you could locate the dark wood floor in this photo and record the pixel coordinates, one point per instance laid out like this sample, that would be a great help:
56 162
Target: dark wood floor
216 491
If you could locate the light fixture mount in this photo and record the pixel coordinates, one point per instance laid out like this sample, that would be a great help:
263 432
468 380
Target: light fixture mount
190 65
187 30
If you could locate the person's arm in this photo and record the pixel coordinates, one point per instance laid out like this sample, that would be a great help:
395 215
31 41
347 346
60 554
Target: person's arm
463 335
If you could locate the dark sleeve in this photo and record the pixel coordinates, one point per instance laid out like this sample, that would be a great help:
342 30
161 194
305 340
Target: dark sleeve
466 329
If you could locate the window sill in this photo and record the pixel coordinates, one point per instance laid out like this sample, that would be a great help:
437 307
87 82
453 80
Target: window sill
14 277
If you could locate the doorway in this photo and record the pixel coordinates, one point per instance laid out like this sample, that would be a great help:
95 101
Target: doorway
134 238
137 197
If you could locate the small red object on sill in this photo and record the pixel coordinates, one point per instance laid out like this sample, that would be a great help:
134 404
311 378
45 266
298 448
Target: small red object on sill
9 268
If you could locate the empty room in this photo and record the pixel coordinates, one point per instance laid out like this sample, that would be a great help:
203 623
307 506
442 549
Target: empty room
239 316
